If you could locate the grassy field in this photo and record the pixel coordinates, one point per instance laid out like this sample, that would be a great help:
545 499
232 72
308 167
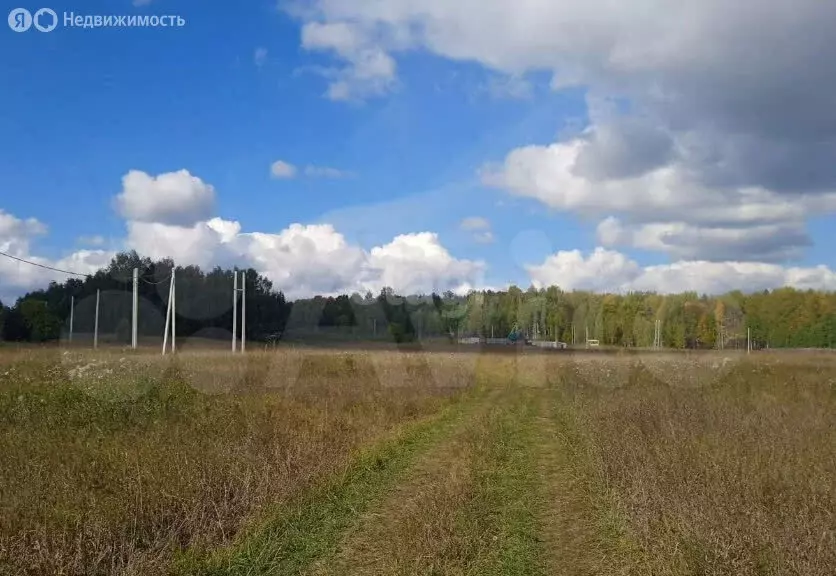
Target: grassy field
308 461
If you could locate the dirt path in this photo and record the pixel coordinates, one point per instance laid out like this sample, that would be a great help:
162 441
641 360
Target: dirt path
466 508
293 538
500 485
580 534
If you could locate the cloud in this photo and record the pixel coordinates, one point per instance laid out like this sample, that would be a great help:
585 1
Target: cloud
663 208
764 243
198 244
282 169
326 172
610 271
369 70
479 227
17 277
305 260
682 62
285 170
622 148
419 263
260 56
16 233
603 270
91 240
547 174
474 223
170 198
509 86
677 133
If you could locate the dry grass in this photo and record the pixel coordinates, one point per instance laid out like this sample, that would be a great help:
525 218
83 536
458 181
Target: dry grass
664 464
111 464
415 529
465 509
729 473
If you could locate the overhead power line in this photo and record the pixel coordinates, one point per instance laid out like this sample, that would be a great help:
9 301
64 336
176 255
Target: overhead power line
164 280
45 266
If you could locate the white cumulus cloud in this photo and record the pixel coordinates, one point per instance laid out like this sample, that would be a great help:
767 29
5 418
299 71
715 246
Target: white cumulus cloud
17 277
479 229
171 198
369 69
611 271
282 169
306 260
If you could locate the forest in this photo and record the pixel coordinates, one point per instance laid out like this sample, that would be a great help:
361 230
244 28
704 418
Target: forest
781 318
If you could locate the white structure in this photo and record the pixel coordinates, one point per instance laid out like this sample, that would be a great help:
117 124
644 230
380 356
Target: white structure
96 323
235 290
72 315
170 313
135 310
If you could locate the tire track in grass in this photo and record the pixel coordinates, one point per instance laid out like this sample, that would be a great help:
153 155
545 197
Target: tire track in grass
310 528
508 491
468 508
414 529
580 529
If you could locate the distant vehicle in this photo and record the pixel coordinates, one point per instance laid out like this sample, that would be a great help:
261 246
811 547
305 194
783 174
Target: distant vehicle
516 336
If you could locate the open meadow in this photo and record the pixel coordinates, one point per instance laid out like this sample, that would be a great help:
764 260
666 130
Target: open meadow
316 461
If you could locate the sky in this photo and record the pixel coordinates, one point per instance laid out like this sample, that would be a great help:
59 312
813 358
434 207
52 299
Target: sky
346 145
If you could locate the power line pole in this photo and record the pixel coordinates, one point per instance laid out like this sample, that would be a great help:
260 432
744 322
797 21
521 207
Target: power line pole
168 316
243 311
234 310
235 291
173 312
96 322
72 314
135 311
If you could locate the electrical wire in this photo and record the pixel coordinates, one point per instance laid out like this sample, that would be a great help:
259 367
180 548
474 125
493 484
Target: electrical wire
45 266
156 283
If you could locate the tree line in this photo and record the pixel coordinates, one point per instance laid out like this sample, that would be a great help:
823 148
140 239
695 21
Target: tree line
778 318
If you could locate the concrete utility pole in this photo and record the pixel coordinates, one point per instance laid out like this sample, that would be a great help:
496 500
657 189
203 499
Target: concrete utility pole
657 334
243 311
135 311
173 312
169 316
243 291
234 310
96 322
72 313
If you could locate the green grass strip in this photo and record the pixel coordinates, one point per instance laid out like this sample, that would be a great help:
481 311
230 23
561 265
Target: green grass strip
506 492
311 527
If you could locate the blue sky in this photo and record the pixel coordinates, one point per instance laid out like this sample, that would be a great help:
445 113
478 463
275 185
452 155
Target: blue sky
82 107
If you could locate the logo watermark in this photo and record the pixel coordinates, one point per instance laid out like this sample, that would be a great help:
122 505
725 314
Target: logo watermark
47 20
